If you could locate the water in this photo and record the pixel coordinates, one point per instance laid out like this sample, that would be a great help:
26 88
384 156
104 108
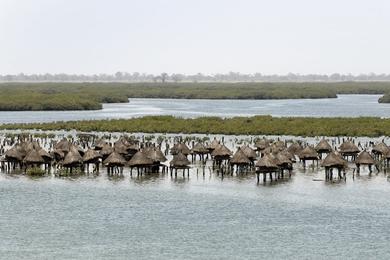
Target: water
196 218
343 106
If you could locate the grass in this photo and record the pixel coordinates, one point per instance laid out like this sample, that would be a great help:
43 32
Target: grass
90 96
258 125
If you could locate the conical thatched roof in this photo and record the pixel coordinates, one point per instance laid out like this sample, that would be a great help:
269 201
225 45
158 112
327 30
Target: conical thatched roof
14 154
106 150
323 147
308 153
348 147
365 158
44 154
221 151
263 143
282 159
73 157
156 155
249 152
100 143
114 159
200 148
267 162
240 158
179 160
140 159
289 155
381 148
295 149
214 144
280 145
63 145
180 148
91 155
333 160
33 157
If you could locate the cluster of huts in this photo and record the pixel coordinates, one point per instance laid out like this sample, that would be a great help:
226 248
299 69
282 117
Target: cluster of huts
272 159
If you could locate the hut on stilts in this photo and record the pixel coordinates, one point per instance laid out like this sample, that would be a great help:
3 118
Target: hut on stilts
240 161
141 162
179 162
266 165
349 150
308 154
200 150
380 151
323 147
365 159
334 161
114 163
93 157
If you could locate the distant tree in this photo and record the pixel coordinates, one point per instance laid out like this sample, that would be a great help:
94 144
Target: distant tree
164 77
177 77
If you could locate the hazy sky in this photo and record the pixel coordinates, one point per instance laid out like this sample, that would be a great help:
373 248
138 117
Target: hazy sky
190 36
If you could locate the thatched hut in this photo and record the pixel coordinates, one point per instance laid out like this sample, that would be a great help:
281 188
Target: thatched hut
33 159
308 154
380 150
284 163
141 162
323 147
240 160
294 149
63 145
72 159
158 157
199 149
334 161
178 162
106 150
180 148
250 153
92 157
114 163
349 149
264 165
261 144
100 143
364 158
220 154
213 145
13 157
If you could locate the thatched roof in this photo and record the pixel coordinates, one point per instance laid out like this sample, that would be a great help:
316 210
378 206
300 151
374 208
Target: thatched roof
381 148
365 158
249 152
334 160
214 144
280 145
91 155
14 154
180 148
63 145
33 157
114 159
323 147
240 158
221 151
295 149
156 155
289 155
308 153
261 144
73 157
179 160
267 162
348 147
44 154
100 143
282 159
199 148
140 159
106 150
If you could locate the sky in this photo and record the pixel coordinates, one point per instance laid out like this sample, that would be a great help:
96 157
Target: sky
191 36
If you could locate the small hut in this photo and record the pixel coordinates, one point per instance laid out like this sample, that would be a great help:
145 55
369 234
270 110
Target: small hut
349 149
261 144
364 158
264 165
33 159
180 162
158 157
380 150
334 161
308 154
92 157
323 147
114 163
250 153
213 145
240 160
180 148
200 150
141 162
72 159
295 149
221 154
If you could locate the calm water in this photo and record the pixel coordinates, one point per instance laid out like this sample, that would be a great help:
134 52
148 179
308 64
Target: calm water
343 106
196 218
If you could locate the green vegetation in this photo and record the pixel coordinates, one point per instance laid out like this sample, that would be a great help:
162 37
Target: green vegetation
35 172
89 96
258 125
